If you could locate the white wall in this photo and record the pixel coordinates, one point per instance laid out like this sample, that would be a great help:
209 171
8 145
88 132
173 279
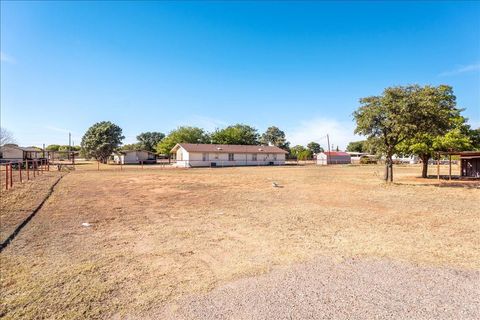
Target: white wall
12 153
195 159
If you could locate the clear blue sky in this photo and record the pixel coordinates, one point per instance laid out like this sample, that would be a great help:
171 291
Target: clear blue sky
154 66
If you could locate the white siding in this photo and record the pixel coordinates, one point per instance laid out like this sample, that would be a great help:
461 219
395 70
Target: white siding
195 159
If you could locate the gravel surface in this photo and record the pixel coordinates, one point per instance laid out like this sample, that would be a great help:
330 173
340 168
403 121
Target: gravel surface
352 289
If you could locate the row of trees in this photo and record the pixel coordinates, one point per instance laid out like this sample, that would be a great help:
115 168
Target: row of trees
412 120
103 138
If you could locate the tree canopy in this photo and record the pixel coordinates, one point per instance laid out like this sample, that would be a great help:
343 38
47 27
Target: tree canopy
6 137
149 140
101 140
357 146
402 113
314 147
236 134
275 137
182 135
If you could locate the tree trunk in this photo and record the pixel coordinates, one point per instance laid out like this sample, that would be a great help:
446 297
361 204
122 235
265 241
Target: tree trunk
385 176
388 168
425 159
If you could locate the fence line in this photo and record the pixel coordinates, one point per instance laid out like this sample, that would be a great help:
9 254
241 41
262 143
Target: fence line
34 167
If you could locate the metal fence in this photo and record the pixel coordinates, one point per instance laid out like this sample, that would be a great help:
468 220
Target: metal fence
14 172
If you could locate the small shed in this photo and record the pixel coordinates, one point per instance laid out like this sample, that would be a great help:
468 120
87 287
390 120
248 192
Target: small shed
470 164
333 157
134 157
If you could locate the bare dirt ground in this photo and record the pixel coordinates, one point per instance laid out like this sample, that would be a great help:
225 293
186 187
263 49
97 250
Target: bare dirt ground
159 236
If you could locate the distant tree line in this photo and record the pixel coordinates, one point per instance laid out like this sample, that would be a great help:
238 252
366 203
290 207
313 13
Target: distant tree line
103 138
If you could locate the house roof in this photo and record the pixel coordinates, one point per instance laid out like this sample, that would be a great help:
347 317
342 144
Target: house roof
336 153
227 148
27 149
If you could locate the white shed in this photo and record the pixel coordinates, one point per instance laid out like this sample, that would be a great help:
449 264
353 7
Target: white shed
333 157
134 157
220 155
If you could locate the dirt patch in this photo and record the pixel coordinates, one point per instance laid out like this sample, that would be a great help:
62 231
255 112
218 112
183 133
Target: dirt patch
207 227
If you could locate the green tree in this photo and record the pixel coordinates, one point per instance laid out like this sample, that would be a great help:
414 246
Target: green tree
314 147
357 146
296 150
131 147
53 147
402 113
275 137
304 154
236 134
149 140
101 140
181 135
474 135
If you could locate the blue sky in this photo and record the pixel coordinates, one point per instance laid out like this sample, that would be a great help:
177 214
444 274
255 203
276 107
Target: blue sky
152 66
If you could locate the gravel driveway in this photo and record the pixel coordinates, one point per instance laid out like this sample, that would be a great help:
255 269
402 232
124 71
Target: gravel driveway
352 289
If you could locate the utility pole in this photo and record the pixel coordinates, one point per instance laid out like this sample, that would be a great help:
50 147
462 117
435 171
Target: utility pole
328 142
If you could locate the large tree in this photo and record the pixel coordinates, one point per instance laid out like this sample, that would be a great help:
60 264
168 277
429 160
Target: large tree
149 140
236 134
403 112
314 147
357 146
182 135
275 137
101 140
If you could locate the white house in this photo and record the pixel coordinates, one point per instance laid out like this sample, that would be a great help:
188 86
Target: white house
333 157
13 152
220 155
403 159
134 157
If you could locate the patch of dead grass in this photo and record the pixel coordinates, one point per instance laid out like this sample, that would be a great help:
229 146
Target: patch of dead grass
158 235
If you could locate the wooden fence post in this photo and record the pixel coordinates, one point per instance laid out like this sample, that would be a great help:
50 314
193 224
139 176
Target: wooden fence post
28 170
11 176
20 164
6 177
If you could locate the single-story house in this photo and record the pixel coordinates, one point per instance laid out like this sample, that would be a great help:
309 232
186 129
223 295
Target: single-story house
333 157
11 152
402 159
134 157
219 155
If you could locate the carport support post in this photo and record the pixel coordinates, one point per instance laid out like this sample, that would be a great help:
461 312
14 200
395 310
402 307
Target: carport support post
449 167
28 169
20 171
438 166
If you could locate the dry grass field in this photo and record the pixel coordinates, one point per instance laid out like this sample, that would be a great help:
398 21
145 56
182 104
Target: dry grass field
159 235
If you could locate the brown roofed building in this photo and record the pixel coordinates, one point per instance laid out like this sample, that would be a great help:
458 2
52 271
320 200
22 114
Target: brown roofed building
217 155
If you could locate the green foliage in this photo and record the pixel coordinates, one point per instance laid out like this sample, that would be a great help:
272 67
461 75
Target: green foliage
236 134
402 113
132 147
314 147
149 140
181 135
53 147
275 137
304 154
101 140
58 147
474 135
296 150
357 146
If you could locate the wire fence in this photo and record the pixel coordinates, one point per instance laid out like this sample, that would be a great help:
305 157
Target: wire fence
18 171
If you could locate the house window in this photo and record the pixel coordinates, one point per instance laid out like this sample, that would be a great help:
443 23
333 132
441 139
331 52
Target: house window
274 157
254 157
205 156
230 157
